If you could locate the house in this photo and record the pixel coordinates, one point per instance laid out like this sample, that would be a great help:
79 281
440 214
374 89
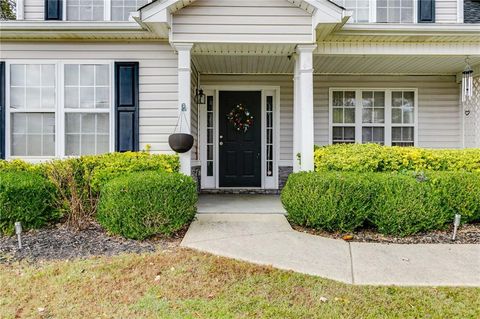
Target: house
257 83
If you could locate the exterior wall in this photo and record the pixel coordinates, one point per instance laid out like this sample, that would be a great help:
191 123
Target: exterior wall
446 11
242 21
34 9
439 118
158 78
471 11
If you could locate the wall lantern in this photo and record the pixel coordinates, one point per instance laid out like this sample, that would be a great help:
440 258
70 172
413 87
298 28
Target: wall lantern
467 82
200 97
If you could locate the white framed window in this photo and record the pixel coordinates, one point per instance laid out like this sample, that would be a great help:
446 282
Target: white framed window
381 11
382 116
59 109
101 10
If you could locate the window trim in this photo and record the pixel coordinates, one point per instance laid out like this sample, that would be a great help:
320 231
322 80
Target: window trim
59 111
358 113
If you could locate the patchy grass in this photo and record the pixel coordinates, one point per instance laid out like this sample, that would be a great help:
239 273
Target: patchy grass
187 284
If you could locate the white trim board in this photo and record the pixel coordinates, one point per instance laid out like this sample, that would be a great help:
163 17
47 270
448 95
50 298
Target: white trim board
212 182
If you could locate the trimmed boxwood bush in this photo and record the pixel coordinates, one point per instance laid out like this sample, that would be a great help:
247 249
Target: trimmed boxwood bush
376 158
332 201
25 197
394 203
140 205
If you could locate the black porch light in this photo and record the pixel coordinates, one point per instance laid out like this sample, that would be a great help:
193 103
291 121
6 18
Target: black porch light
200 97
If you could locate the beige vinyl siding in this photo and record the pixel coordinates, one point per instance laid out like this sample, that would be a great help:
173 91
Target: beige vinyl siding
34 9
246 21
439 112
158 78
446 11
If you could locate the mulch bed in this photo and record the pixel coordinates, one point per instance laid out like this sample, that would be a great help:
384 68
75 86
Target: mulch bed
467 234
62 243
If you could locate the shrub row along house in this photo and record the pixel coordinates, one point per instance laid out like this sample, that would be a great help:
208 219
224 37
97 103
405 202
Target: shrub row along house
257 83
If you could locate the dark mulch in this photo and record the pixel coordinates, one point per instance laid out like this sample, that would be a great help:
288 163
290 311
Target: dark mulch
62 243
467 234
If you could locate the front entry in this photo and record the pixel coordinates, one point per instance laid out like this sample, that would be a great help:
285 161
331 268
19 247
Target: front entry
240 160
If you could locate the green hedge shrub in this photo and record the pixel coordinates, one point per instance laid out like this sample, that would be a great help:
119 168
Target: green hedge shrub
140 205
78 180
376 158
332 202
394 203
25 197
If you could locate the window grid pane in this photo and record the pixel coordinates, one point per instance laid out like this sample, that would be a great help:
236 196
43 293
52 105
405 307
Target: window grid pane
86 134
85 10
32 87
121 8
360 8
344 103
87 109
33 134
395 11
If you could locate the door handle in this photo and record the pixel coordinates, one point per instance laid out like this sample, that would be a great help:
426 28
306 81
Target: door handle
221 143
258 155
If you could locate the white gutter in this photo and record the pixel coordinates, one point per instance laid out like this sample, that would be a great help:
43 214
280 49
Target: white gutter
410 29
69 26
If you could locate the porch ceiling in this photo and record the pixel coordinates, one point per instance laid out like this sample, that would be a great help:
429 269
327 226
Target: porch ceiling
328 64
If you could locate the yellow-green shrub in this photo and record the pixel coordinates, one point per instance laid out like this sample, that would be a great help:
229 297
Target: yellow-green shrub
78 180
376 158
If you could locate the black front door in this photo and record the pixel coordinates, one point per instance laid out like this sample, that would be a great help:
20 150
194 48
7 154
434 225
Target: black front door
240 151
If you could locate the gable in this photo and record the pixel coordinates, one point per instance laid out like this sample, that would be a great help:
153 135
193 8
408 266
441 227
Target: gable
248 21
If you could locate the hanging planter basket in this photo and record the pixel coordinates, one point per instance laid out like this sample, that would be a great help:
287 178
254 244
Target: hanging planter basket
180 142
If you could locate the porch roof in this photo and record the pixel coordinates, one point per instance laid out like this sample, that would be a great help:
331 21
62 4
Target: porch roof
337 64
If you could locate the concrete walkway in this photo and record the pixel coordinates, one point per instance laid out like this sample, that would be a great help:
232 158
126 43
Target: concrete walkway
268 239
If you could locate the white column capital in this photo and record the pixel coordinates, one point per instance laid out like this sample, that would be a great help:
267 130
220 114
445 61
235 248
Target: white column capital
305 48
181 47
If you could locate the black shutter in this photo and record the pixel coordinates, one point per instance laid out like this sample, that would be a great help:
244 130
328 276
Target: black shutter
2 110
53 9
426 11
126 107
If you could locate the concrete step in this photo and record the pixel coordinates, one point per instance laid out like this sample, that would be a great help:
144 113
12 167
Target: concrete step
240 204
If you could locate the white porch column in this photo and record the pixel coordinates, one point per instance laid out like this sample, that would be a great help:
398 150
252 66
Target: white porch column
303 110
184 99
297 119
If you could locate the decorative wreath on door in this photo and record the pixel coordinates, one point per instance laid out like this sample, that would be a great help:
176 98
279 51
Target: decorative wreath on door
240 118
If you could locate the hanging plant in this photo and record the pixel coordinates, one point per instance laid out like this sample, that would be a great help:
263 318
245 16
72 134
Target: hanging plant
240 118
181 142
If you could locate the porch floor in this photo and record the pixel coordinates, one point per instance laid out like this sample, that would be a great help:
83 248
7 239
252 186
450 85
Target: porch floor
240 204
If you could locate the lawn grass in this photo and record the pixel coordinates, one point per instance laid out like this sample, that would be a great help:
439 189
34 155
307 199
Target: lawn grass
186 284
